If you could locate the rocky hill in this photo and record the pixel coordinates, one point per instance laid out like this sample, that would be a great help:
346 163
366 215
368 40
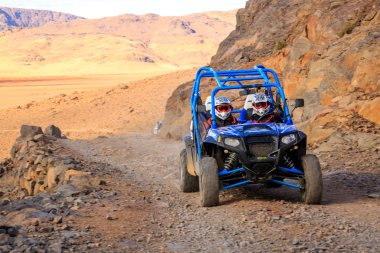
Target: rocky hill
16 17
326 52
114 45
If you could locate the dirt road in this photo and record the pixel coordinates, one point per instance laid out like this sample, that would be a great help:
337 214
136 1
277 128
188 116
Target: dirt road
149 214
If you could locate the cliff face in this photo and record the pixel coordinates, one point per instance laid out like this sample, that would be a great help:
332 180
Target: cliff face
15 17
326 52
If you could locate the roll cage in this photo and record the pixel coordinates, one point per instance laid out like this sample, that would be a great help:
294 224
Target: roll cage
239 78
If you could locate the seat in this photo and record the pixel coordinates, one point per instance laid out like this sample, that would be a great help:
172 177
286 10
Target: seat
248 102
247 111
208 107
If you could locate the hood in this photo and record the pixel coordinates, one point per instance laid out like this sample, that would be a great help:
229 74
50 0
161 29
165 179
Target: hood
253 129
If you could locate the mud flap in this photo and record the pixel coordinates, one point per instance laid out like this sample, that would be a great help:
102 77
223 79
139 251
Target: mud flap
190 155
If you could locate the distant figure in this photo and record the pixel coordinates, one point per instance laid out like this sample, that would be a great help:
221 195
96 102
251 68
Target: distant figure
263 111
158 126
223 113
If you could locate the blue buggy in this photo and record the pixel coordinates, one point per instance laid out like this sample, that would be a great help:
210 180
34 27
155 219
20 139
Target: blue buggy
273 154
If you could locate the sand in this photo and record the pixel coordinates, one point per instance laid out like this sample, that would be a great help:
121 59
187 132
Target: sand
120 107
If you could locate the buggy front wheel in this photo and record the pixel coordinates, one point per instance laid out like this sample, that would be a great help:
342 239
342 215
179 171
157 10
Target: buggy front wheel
187 182
312 181
209 182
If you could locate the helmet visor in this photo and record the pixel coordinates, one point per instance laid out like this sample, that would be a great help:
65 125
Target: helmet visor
260 105
223 108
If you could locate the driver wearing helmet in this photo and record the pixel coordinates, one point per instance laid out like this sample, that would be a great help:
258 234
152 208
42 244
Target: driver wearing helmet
263 111
223 113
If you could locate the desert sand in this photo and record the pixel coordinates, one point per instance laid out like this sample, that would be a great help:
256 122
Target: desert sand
118 107
17 91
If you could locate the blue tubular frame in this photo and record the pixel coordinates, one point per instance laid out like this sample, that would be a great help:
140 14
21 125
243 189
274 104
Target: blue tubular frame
237 184
245 182
230 172
291 170
287 184
222 77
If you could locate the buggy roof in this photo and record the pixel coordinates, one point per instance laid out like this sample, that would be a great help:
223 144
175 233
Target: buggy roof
226 77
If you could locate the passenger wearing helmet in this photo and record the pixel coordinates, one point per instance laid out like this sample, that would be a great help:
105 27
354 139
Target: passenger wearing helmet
263 111
223 113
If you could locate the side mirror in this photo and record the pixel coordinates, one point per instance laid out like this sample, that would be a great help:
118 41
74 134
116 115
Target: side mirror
299 102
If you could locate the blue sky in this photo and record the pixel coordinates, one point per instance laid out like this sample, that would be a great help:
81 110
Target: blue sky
103 8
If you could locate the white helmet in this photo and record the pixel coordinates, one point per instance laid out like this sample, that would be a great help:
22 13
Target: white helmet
222 108
260 103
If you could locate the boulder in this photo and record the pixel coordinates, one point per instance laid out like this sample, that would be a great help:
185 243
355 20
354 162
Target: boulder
366 140
30 131
370 109
41 162
53 131
55 175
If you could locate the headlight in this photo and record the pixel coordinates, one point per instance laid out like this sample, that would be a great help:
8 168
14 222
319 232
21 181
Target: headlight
231 142
288 138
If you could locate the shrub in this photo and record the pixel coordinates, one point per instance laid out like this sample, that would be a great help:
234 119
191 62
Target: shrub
281 44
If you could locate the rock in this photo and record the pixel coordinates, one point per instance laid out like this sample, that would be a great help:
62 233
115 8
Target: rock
4 202
371 14
55 175
325 147
47 229
57 220
366 140
71 174
53 131
12 232
68 190
374 195
56 247
369 110
35 222
38 159
110 216
38 137
244 244
3 239
30 131
42 217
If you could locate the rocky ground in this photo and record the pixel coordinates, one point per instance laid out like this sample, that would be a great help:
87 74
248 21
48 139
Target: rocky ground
141 210
138 207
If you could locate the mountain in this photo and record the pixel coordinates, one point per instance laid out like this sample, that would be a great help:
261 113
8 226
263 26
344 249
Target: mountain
113 45
326 52
16 17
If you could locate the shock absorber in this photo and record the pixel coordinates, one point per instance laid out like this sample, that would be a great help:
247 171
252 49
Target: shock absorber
288 161
230 161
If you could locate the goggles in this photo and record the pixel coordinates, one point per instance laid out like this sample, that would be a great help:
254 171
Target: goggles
260 105
223 108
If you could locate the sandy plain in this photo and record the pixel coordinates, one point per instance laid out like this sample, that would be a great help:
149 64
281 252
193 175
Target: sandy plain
18 91
86 107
